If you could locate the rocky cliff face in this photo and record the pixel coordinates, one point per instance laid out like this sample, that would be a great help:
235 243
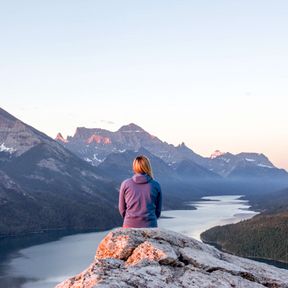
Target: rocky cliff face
94 145
161 258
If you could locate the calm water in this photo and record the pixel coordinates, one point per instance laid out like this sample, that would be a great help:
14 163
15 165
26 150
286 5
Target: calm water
43 265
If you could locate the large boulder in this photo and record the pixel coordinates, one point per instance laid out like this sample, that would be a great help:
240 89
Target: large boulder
161 258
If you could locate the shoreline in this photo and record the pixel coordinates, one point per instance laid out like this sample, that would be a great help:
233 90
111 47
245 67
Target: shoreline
43 237
74 231
65 231
255 258
187 205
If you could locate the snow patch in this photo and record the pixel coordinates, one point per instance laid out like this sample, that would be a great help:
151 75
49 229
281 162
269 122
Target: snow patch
265 166
250 160
132 131
97 159
3 148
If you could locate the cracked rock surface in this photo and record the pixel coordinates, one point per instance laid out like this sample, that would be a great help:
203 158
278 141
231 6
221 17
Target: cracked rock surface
162 258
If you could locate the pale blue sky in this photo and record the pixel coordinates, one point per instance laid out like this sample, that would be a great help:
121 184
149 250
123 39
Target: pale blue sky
213 74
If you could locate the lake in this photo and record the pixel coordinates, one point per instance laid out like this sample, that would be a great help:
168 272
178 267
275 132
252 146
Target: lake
42 261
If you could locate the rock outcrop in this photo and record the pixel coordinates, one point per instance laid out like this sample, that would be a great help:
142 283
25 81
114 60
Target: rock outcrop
162 258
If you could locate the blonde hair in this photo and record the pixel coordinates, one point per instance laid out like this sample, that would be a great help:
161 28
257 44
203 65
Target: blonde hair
141 164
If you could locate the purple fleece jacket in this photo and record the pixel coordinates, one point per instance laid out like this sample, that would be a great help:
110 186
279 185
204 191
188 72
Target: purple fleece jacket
140 201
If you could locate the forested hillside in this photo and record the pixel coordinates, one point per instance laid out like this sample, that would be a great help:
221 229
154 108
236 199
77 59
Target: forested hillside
263 236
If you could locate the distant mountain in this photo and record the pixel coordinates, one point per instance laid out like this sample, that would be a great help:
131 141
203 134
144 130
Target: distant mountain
44 186
119 165
94 145
244 165
216 154
187 169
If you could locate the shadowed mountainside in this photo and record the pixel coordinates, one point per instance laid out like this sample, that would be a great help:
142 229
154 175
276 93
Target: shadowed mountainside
44 186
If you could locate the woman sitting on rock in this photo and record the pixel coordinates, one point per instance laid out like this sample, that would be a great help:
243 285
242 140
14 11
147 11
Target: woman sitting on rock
140 197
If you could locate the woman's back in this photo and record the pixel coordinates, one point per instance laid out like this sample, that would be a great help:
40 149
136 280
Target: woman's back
140 197
140 201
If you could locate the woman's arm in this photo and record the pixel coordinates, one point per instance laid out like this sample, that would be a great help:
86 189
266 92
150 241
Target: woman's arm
122 203
159 203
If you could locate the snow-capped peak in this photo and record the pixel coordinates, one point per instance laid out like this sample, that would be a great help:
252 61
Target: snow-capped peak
265 166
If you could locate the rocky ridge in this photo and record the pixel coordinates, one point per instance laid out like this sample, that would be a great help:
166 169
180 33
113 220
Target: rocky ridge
162 258
16 137
95 145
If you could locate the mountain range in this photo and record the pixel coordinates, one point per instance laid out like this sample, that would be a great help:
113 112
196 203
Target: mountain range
94 145
178 168
73 183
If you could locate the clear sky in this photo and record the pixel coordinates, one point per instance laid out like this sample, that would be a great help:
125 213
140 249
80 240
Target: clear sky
213 74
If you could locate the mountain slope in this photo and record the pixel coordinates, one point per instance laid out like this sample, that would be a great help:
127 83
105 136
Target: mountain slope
188 170
44 186
244 165
263 236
